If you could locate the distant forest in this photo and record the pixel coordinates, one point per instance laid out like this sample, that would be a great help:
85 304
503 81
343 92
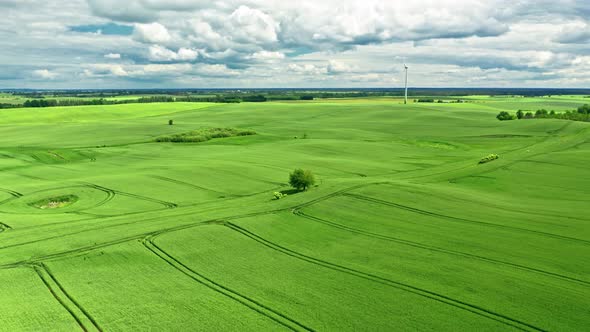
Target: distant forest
52 98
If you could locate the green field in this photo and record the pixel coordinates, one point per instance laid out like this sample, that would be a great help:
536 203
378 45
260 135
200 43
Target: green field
104 229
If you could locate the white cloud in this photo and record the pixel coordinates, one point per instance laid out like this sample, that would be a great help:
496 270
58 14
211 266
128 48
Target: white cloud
44 74
307 42
252 26
337 67
216 71
151 33
113 56
307 69
162 54
267 56
104 69
186 54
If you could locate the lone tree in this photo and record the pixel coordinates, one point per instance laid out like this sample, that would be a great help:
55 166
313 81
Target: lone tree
301 180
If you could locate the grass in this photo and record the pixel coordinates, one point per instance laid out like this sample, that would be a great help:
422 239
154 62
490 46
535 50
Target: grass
104 228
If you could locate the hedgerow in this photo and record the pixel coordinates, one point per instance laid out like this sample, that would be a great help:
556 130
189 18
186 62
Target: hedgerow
203 135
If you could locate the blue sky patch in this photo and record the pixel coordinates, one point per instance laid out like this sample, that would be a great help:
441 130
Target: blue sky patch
105 29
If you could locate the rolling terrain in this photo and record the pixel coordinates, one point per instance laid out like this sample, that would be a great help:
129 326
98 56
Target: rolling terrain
104 229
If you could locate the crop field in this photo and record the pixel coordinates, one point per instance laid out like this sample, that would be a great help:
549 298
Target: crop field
106 227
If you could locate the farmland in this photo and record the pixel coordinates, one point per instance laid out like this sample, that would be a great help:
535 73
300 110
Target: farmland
105 228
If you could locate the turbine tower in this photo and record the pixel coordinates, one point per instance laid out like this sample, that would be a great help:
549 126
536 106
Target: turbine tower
406 85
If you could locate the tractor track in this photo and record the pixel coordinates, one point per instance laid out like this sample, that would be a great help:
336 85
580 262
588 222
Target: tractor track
425 293
4 227
438 249
253 304
391 283
457 219
163 178
184 214
82 317
168 205
487 204
493 168
15 195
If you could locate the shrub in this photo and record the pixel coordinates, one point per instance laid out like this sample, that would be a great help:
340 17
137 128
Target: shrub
584 109
488 158
504 116
541 113
170 122
301 180
203 135
278 195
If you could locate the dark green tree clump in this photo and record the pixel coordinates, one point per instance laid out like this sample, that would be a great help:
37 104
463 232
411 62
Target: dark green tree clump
301 179
255 99
204 135
581 114
504 116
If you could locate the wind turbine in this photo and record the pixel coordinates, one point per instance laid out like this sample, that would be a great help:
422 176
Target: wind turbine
406 94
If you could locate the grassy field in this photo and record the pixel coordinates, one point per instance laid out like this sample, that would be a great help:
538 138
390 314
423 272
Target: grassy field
104 229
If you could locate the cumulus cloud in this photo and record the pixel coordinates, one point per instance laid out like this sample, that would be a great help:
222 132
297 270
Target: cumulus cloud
151 33
307 69
44 74
338 67
103 69
266 56
308 42
160 53
574 33
253 26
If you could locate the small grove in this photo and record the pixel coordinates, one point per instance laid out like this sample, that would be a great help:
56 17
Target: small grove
203 135
581 114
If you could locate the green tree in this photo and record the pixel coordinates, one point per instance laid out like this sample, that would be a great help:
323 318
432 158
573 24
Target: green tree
301 179
503 116
520 114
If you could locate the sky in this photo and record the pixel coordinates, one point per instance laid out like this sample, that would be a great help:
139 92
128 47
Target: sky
108 44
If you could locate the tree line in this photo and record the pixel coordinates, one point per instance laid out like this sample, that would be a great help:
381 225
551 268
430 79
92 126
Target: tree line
101 101
581 114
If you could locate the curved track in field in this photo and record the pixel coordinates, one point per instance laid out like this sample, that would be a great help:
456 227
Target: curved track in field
253 304
149 243
16 196
438 249
480 311
463 220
